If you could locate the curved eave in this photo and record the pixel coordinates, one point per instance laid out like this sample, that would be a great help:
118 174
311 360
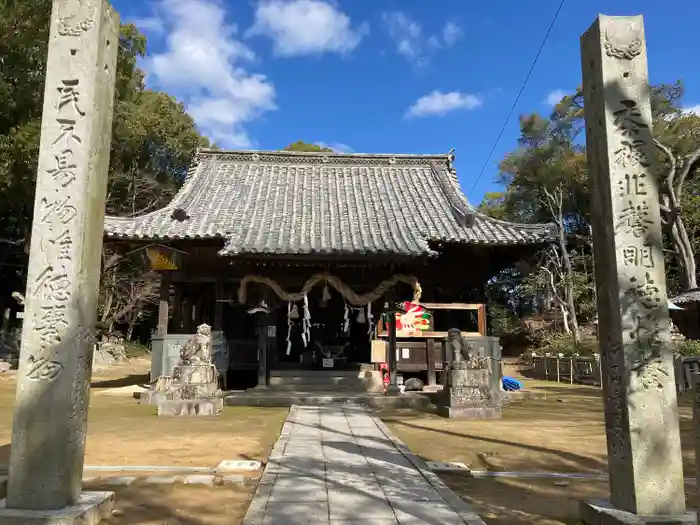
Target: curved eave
455 220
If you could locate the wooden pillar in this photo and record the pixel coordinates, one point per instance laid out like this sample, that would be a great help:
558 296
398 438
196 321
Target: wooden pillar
481 319
177 310
186 314
163 303
393 361
261 317
262 350
198 312
219 306
432 357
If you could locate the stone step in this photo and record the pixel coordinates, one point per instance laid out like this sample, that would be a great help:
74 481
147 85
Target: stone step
271 398
358 374
358 387
323 380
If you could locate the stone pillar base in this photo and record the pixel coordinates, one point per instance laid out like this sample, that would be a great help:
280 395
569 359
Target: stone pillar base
469 412
393 390
194 407
601 512
90 509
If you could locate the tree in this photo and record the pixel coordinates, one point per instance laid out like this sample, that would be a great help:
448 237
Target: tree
153 143
551 155
559 261
126 292
24 28
679 208
300 145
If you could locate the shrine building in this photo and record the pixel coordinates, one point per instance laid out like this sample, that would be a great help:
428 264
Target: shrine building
292 257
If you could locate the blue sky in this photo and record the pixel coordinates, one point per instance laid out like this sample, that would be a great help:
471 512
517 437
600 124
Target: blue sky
387 76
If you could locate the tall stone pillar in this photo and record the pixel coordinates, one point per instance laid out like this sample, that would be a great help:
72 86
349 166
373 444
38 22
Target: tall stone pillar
641 418
50 413
695 384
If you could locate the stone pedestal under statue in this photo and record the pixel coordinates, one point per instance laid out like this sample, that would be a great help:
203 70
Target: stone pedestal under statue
193 387
468 393
469 389
192 391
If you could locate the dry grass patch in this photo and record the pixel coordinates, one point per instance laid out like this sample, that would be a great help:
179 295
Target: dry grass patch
176 504
122 432
530 501
563 432
560 433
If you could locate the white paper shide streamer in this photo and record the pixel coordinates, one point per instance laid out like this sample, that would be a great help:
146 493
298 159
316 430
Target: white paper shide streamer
289 327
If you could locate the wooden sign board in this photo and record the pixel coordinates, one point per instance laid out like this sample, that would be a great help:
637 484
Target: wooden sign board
159 258
162 259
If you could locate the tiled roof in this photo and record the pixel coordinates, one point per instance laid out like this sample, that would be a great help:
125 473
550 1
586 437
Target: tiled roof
302 203
687 297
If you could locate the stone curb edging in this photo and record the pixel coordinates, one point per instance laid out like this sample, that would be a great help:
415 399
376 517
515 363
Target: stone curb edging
461 507
193 479
256 509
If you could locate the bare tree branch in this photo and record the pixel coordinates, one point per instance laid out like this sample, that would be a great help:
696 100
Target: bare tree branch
672 218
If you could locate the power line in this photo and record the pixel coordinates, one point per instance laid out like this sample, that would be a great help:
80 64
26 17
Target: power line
517 99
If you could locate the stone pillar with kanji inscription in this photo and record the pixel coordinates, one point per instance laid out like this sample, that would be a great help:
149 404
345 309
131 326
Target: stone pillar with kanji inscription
641 417
695 384
50 411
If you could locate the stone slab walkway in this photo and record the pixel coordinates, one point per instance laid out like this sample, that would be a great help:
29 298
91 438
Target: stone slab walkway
338 465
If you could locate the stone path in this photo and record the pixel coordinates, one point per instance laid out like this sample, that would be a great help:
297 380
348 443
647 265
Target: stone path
338 465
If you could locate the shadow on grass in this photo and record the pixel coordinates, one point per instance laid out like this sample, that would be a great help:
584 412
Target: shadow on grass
176 504
500 501
130 380
587 391
586 463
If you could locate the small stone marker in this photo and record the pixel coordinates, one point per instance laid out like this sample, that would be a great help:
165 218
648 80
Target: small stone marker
447 466
50 412
235 465
641 418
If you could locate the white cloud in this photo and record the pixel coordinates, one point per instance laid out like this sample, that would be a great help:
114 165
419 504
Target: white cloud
451 32
555 97
203 63
693 109
306 27
411 41
406 33
150 24
439 103
338 147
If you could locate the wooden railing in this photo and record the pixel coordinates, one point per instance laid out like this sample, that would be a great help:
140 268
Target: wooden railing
587 370
577 369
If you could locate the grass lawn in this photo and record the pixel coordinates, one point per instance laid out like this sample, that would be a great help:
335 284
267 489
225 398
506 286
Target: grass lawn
122 432
562 432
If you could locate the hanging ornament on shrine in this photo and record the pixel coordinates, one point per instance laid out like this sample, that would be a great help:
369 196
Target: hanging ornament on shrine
346 319
290 323
306 322
370 321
